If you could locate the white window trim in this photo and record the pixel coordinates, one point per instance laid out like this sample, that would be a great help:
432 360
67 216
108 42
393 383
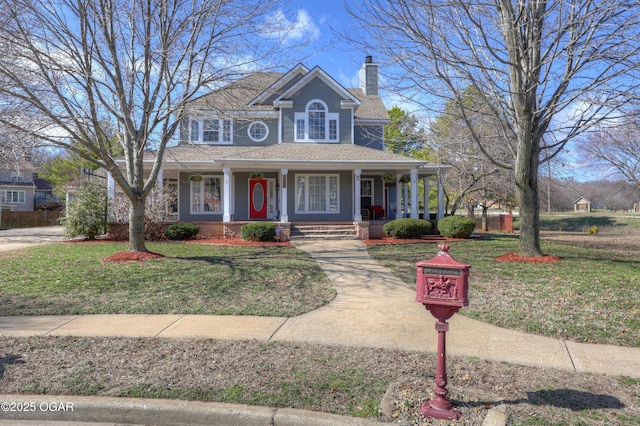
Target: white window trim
199 137
328 193
253 123
202 201
21 194
329 116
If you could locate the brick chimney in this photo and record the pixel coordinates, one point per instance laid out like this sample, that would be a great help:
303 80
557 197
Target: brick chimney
368 77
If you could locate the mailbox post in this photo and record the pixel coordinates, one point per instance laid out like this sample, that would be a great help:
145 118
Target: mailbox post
441 286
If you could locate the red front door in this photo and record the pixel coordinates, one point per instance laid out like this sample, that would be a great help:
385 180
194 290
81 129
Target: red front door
258 199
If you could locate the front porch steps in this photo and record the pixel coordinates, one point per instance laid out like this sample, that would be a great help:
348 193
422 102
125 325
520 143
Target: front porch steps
330 231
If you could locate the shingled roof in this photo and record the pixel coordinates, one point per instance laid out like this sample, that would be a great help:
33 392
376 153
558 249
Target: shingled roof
238 96
338 155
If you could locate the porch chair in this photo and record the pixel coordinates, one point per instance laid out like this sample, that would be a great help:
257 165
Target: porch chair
377 211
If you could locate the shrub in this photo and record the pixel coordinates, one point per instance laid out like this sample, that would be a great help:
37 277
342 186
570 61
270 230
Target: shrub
259 231
456 226
593 230
85 213
181 231
407 228
155 211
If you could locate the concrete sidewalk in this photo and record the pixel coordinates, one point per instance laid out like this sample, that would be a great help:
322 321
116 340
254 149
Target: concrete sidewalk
372 308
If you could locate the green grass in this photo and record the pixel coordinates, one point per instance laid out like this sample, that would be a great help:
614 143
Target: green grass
71 278
611 222
592 295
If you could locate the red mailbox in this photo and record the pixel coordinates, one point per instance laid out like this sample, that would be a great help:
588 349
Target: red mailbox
441 286
442 281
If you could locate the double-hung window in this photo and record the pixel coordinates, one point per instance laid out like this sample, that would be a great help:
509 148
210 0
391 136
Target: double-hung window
316 124
207 195
317 193
211 131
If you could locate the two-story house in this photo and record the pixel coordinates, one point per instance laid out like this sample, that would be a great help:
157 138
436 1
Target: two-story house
291 147
20 187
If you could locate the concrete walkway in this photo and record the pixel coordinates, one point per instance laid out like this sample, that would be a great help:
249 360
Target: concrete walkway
372 308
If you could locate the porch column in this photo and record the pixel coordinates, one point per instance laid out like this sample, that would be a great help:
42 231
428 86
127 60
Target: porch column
398 196
284 214
111 194
357 214
226 210
414 194
440 214
425 181
405 188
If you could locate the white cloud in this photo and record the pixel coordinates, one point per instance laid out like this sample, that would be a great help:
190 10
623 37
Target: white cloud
288 32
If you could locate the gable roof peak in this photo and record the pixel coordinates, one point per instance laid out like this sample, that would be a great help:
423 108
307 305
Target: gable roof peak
317 71
279 84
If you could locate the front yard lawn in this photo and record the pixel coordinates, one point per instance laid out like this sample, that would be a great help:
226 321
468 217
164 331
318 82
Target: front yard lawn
591 295
72 278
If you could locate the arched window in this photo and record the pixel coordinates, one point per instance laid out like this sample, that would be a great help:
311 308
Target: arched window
316 124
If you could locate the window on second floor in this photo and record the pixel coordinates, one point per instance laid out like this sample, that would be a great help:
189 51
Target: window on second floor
211 130
316 124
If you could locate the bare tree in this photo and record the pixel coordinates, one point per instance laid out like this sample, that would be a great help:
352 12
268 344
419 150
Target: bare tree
545 67
615 150
472 178
76 72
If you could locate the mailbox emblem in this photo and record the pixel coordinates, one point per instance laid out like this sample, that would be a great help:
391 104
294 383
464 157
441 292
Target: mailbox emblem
441 288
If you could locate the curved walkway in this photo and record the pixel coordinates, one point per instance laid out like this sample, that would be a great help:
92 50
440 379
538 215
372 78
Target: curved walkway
372 308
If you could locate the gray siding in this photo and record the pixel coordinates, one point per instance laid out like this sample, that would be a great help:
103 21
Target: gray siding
316 89
241 137
369 136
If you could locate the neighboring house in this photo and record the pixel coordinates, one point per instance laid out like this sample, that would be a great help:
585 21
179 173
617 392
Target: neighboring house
291 147
21 189
582 205
19 184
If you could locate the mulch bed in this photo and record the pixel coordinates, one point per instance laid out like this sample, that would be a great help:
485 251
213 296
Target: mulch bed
128 256
512 257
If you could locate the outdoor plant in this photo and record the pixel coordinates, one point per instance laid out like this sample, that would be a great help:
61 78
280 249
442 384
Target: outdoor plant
259 231
593 230
407 228
456 226
86 212
181 231
157 205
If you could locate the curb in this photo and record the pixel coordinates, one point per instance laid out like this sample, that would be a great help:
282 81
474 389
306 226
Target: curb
159 412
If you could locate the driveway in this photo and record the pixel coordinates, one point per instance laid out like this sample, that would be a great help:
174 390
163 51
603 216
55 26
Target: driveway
13 239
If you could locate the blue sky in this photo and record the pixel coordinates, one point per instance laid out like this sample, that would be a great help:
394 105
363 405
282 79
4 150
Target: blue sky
320 19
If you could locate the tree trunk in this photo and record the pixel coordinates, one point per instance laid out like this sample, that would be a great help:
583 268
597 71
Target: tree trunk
526 174
485 218
136 225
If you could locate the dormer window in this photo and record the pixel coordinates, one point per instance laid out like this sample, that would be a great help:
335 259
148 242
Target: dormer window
316 124
211 131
